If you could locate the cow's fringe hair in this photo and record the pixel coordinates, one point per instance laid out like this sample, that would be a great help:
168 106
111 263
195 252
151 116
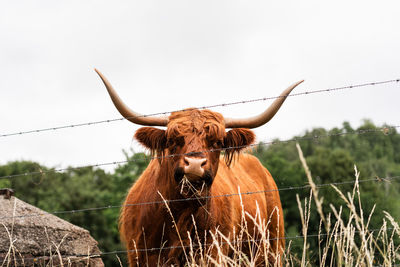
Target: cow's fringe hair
201 122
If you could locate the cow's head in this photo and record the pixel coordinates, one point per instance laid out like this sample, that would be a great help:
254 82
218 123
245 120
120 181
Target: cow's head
190 147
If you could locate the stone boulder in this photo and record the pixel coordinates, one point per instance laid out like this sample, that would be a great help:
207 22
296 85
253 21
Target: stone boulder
32 237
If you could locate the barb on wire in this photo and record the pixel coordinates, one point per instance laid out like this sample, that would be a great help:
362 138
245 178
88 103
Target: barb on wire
385 130
202 107
374 179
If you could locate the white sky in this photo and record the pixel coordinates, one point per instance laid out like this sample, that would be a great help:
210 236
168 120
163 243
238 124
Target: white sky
167 55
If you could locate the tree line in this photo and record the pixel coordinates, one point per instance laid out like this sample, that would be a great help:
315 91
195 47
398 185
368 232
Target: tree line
331 158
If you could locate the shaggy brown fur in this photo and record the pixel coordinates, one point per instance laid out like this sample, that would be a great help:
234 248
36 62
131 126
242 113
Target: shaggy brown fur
196 132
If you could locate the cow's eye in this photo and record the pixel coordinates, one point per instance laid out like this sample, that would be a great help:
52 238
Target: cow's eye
180 141
174 144
217 144
172 149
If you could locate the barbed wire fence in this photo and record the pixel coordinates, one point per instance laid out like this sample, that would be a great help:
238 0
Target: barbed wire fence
157 249
384 130
164 113
239 194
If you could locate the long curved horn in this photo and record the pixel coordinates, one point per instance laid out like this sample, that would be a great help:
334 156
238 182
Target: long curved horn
126 112
263 118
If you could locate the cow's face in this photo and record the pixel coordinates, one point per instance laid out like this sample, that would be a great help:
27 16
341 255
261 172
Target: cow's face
190 148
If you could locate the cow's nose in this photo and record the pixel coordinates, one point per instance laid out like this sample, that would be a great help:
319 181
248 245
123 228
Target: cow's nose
195 166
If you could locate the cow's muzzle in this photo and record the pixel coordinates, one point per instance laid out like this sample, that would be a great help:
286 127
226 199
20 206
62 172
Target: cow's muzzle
194 166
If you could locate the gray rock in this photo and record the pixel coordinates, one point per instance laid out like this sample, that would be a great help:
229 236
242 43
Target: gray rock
32 237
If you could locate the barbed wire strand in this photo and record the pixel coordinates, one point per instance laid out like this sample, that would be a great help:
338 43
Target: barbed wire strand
384 130
373 179
240 241
202 107
234 242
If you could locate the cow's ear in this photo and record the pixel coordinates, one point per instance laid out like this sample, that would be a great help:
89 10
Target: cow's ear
235 141
152 138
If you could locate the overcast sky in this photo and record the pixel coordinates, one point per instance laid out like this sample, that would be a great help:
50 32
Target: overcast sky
168 55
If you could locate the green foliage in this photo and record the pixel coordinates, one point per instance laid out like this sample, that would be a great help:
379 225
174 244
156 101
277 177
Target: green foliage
330 158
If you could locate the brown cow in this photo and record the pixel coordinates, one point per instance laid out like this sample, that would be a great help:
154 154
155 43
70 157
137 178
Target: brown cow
190 171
